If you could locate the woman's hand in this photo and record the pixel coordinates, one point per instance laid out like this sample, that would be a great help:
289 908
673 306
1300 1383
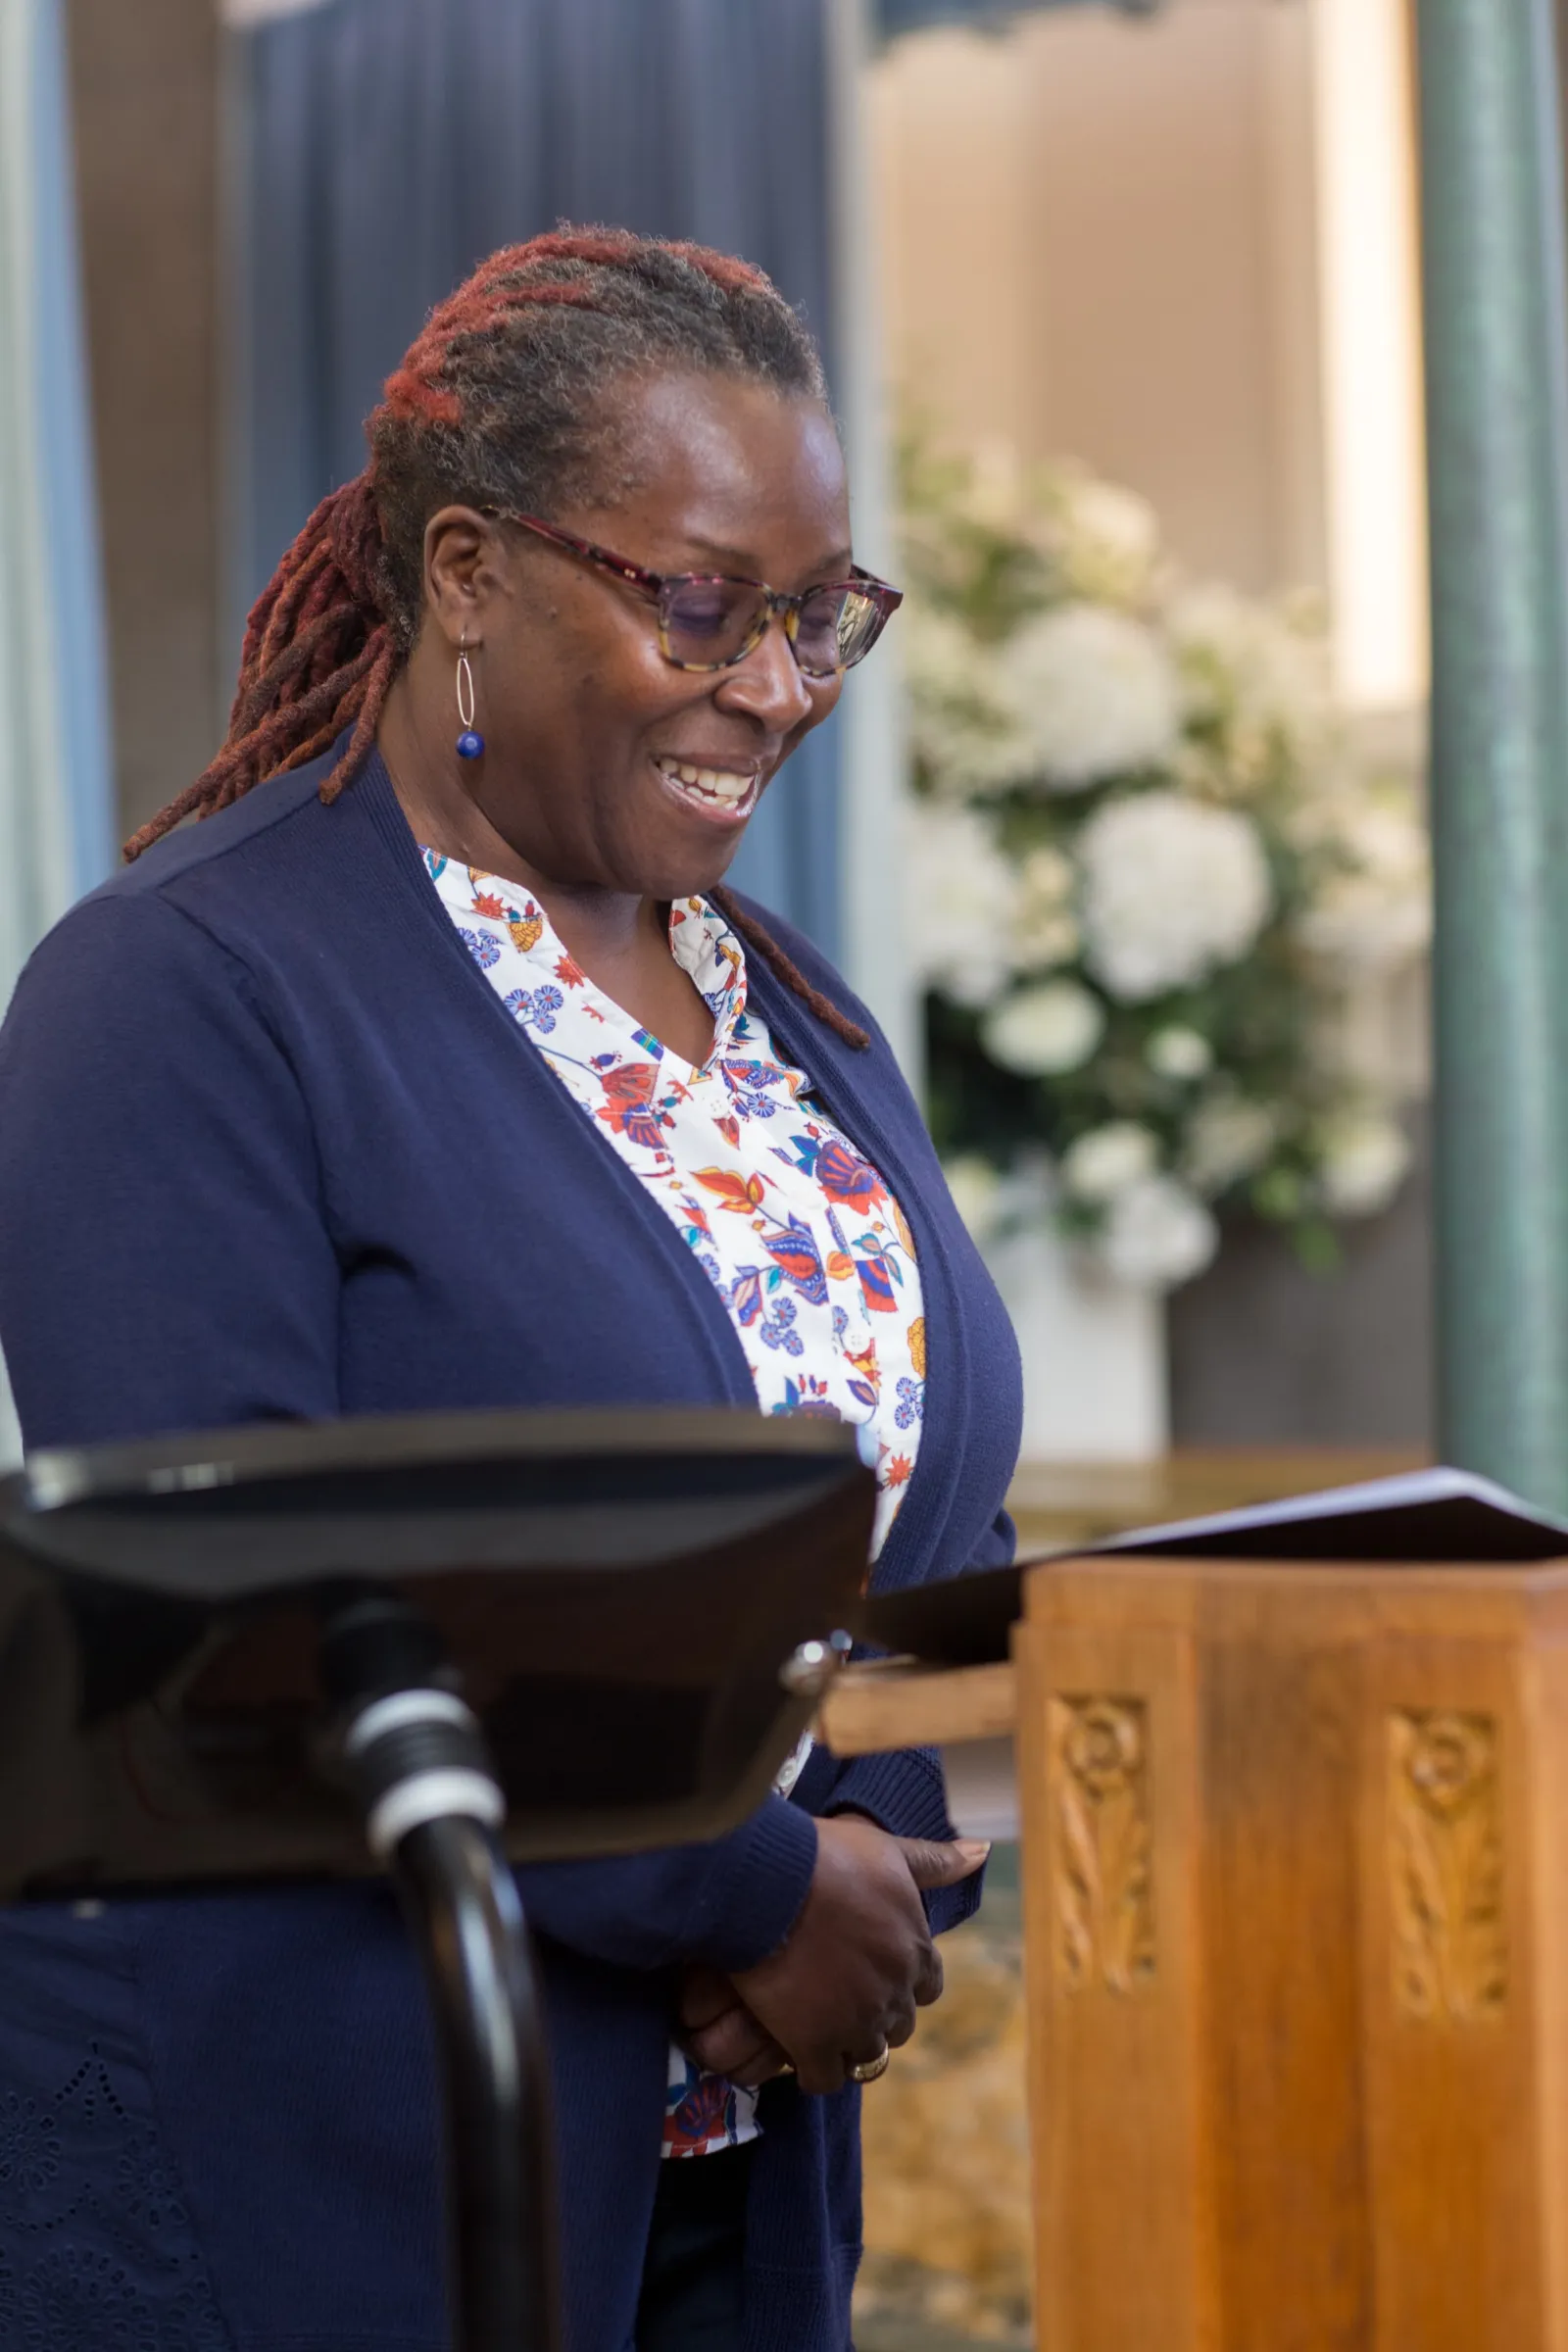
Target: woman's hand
857 1965
720 2031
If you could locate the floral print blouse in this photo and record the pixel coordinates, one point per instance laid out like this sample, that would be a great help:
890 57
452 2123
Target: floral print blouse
797 1232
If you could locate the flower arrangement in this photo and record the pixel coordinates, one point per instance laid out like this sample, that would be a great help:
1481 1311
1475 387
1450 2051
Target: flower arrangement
1146 874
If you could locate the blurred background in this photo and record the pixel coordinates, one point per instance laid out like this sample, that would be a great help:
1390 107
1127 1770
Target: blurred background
1122 832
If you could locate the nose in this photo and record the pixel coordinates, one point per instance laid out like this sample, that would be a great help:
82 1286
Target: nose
768 685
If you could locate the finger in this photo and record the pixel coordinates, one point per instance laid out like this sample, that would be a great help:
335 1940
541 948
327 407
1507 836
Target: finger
934 1864
899 2025
928 1978
770 2062
757 2057
706 1993
754 2063
731 2044
732 2023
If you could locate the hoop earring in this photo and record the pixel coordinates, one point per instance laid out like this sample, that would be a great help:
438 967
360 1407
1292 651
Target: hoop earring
469 745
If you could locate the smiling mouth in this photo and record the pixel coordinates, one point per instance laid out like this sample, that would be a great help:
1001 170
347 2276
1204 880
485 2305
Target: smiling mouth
724 792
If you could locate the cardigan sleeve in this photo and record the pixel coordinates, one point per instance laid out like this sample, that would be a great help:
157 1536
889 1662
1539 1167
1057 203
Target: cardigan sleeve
166 1263
903 1790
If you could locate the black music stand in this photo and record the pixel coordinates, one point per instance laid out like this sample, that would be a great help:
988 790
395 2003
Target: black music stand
431 1645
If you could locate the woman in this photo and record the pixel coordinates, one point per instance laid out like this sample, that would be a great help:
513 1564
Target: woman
437 1068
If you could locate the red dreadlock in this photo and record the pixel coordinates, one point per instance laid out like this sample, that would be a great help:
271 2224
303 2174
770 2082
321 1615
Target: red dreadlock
317 656
328 633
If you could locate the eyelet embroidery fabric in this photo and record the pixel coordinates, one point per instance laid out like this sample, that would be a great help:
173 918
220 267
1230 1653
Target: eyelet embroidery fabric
799 1233
96 2251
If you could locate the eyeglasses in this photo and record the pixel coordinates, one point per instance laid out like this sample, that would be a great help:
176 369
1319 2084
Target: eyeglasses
710 620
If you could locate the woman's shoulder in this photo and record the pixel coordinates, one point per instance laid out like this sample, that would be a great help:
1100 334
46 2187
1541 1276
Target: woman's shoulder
193 933
239 835
224 894
125 967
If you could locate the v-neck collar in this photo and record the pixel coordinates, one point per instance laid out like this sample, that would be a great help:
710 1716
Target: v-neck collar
800 1036
701 942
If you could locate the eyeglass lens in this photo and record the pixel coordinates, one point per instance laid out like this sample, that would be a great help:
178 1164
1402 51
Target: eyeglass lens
708 623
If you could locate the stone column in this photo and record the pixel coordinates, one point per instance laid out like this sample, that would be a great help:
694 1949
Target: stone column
1496 348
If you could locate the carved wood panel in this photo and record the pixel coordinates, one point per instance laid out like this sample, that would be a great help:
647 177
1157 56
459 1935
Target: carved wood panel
1445 1827
1098 1765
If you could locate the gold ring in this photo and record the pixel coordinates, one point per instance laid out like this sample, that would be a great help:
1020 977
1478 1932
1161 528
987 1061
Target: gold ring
873 2067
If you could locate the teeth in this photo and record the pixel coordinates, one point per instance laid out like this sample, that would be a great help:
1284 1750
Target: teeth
717 784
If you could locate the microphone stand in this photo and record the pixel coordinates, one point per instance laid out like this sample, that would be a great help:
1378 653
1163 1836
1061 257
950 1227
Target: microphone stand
460 1902
432 1807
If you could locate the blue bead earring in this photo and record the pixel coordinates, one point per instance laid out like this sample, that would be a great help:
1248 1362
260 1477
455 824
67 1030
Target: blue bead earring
469 745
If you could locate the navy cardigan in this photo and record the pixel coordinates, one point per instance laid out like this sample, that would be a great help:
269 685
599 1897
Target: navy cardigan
270 1146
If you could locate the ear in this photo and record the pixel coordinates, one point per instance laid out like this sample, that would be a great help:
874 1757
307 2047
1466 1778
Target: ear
464 572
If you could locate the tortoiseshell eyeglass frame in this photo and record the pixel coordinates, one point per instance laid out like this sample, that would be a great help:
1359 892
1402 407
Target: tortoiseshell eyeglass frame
662 587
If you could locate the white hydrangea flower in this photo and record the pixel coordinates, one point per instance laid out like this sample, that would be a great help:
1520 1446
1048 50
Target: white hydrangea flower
1108 1159
939 651
1044 1031
1092 693
961 718
1171 890
1157 1234
1376 917
960 904
1269 669
1109 540
1227 1139
995 494
1366 1157
1043 942
976 1190
1044 929
1046 874
1217 626
1180 1053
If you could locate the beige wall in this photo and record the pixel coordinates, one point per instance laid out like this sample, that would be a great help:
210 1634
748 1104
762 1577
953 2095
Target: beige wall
1182 249
1099 243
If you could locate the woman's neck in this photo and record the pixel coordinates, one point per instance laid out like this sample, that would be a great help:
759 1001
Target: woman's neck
619 939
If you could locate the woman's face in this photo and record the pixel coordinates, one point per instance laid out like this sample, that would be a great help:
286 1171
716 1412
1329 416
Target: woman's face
587 727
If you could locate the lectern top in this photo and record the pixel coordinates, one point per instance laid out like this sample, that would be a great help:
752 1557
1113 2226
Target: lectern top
222 1513
615 1592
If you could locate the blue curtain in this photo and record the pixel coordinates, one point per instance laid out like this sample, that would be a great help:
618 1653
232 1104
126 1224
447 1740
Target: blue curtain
55 824
386 145
56 792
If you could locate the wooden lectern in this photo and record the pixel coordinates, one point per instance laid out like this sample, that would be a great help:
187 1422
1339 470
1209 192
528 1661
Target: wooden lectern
1295 1906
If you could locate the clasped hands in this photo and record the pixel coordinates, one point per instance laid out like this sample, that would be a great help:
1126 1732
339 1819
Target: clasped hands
846 1983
